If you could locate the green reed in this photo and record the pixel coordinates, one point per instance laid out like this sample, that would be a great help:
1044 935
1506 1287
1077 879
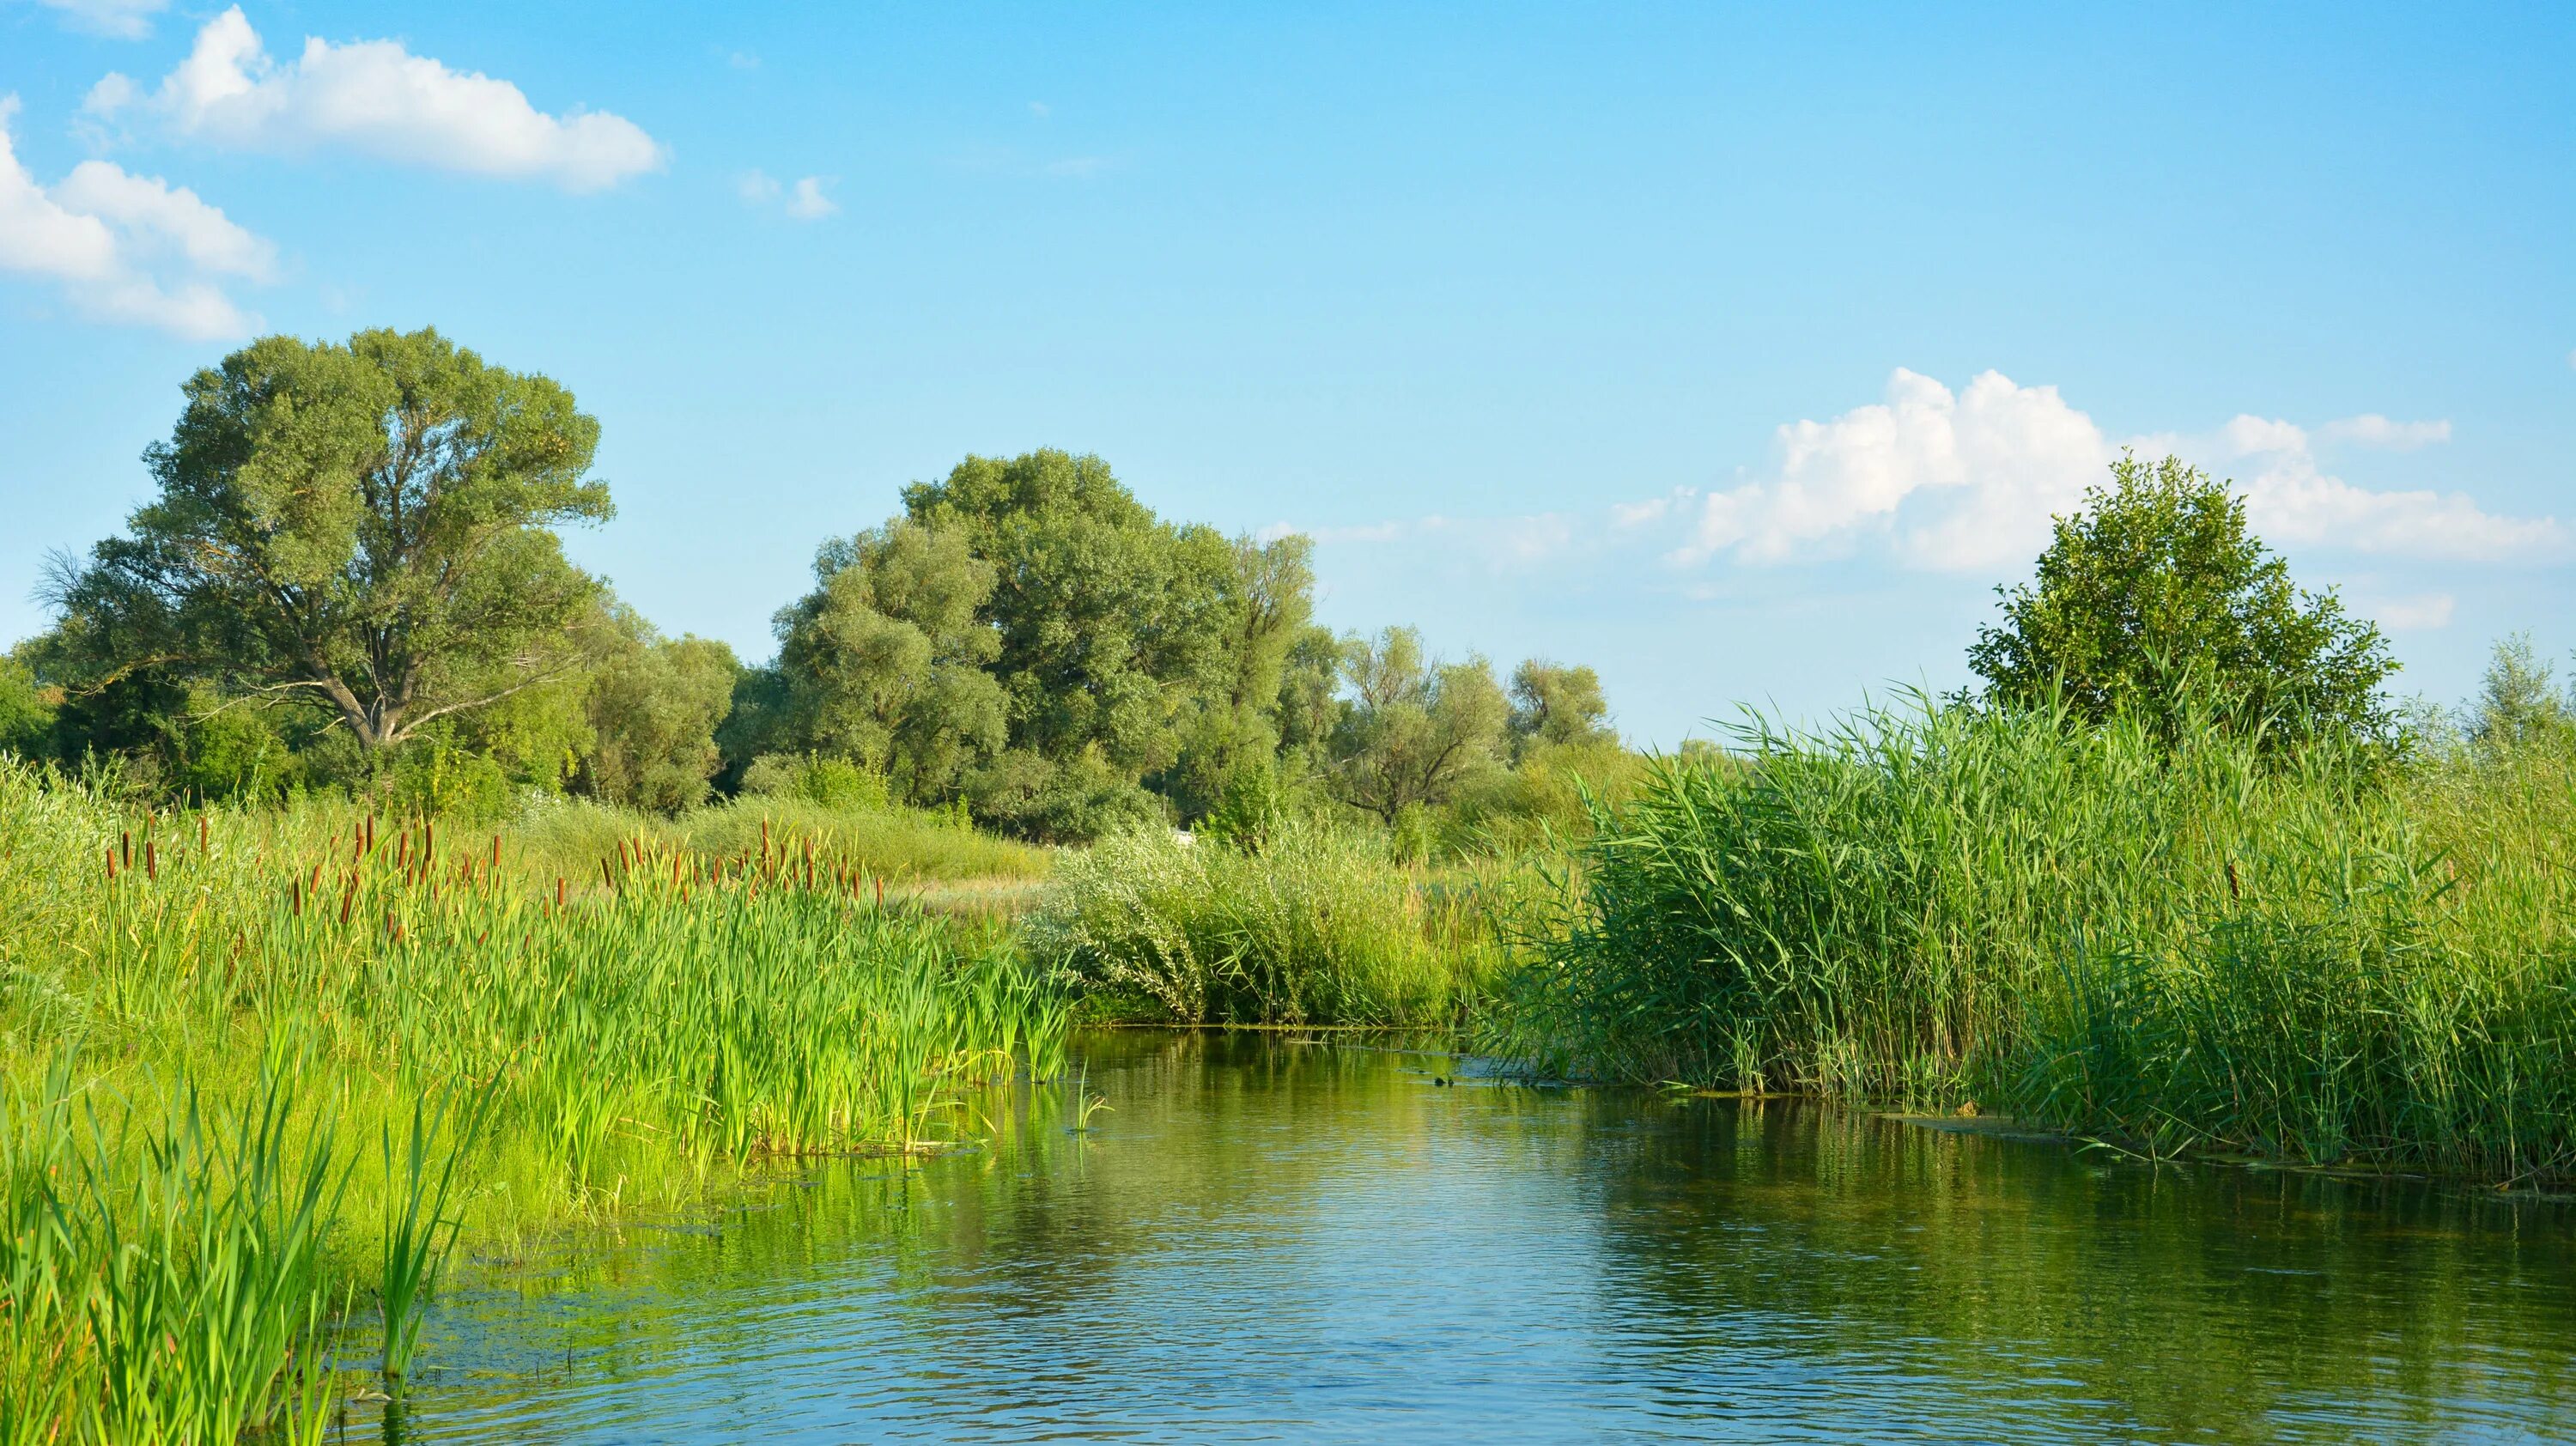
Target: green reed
1317 925
2185 945
528 1058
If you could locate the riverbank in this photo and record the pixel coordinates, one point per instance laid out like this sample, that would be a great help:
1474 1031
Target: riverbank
2180 945
264 1068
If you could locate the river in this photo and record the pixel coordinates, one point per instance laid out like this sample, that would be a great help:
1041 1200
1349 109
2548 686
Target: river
1265 1239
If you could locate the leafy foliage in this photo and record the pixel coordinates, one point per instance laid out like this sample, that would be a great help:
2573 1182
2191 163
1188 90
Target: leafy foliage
364 528
2159 579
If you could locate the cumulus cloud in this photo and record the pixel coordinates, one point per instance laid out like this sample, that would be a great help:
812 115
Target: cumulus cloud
126 248
377 98
1968 481
1954 480
123 19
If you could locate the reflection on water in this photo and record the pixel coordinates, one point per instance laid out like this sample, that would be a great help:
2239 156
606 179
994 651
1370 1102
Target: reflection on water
1265 1239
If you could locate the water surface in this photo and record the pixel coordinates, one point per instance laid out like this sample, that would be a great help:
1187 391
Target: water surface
1266 1240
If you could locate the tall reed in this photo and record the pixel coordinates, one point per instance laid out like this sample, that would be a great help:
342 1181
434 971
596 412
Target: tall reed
623 1034
2188 944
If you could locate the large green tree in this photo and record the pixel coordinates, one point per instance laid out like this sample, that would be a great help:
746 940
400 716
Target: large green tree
1113 625
2157 582
884 662
364 528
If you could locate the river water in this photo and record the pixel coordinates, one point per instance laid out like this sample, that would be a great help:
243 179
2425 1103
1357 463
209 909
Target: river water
1262 1239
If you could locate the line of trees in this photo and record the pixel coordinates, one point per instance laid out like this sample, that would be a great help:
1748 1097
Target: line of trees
351 575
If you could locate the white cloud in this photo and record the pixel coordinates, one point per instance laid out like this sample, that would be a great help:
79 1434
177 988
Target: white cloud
809 203
375 97
1970 482
152 211
1964 480
2290 501
123 19
757 188
2373 430
126 248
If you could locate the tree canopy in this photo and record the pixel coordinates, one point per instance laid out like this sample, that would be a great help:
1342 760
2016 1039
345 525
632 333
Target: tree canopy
366 529
2159 580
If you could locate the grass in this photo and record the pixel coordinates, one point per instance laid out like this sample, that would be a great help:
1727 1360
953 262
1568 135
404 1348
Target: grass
200 1016
1319 925
2329 959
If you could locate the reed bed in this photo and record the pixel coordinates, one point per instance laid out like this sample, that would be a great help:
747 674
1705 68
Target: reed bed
2178 945
1317 925
264 1070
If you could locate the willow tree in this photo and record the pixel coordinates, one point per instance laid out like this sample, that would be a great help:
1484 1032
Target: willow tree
366 529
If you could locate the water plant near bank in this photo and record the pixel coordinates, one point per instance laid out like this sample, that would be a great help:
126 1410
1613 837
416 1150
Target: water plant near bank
1312 924
520 1058
2180 942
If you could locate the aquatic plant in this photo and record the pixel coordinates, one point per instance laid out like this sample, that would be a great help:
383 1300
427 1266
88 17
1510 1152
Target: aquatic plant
1314 924
2186 941
622 1037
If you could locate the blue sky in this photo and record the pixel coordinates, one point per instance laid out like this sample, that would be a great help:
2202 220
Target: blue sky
1738 352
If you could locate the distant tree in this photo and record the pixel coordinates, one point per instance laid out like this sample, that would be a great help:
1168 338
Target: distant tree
1416 729
26 712
1233 739
363 528
2159 578
885 661
1556 705
1113 626
1310 707
653 707
2518 700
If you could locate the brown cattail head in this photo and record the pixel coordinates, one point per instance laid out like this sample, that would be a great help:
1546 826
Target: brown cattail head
127 840
151 859
202 845
295 896
559 891
496 850
111 863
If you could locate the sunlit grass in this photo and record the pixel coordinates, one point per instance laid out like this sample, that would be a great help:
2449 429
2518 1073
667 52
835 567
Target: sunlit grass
354 1000
2328 958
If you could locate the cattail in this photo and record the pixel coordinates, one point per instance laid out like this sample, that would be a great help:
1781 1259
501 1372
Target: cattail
111 863
764 838
880 891
496 850
347 899
202 845
604 879
295 896
559 891
2231 880
151 860
127 839
428 839
402 850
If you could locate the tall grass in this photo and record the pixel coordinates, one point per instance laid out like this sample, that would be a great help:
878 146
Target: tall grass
1316 925
618 1038
2194 946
